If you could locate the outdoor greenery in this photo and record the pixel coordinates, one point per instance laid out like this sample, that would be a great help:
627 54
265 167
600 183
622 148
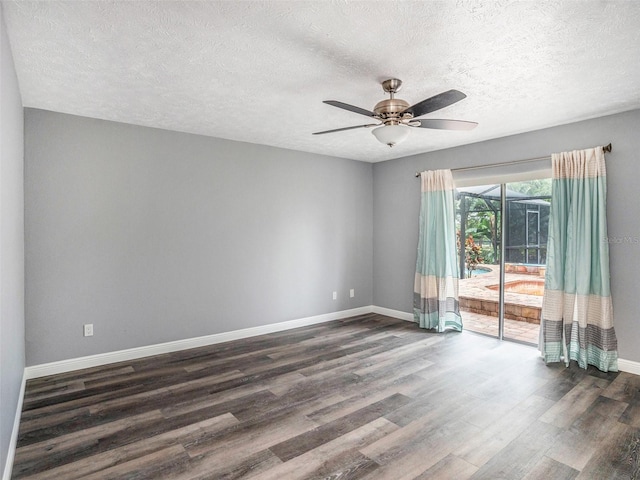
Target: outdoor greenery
481 225
533 188
473 255
482 228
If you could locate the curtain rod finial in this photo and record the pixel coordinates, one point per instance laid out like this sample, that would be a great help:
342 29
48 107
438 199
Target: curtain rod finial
607 148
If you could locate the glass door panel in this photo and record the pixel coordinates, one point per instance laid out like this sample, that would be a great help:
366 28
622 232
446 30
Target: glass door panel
526 224
478 228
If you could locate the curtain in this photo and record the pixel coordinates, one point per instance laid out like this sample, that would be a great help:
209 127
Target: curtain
577 312
435 300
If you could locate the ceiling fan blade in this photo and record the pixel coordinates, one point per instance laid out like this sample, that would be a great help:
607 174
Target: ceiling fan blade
434 103
345 128
445 124
351 108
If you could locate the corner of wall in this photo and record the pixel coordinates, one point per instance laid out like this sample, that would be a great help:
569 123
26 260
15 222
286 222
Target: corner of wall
12 321
13 442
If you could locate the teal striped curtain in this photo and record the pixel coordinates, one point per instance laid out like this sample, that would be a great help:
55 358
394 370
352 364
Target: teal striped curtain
577 312
435 299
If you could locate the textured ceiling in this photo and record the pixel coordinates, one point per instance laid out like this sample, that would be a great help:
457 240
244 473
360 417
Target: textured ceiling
258 71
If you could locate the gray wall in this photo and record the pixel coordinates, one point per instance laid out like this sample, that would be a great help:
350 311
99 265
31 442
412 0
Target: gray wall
155 236
396 209
12 357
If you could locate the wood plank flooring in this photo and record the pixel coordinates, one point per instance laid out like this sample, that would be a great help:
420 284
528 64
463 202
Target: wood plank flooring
368 397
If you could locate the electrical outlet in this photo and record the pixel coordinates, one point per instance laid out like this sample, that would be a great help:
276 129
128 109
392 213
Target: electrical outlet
88 329
352 292
335 295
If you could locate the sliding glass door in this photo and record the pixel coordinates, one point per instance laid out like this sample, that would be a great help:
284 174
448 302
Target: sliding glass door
503 280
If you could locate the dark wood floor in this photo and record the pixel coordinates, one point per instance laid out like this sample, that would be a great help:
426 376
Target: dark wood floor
367 397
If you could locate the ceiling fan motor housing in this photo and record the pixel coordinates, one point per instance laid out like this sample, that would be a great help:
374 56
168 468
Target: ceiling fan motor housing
391 108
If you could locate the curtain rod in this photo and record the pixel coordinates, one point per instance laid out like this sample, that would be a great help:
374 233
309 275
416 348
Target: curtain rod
606 148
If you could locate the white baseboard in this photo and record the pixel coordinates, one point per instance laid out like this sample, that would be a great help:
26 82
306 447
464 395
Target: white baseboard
393 313
629 366
63 366
13 442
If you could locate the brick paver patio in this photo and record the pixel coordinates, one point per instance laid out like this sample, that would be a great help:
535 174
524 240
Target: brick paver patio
513 329
479 304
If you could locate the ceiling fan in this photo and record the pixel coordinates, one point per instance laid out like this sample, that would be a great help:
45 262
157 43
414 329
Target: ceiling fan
396 117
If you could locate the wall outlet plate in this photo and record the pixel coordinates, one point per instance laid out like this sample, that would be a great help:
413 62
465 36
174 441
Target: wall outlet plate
88 329
352 292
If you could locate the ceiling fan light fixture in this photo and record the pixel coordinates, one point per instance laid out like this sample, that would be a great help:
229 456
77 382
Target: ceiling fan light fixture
391 134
